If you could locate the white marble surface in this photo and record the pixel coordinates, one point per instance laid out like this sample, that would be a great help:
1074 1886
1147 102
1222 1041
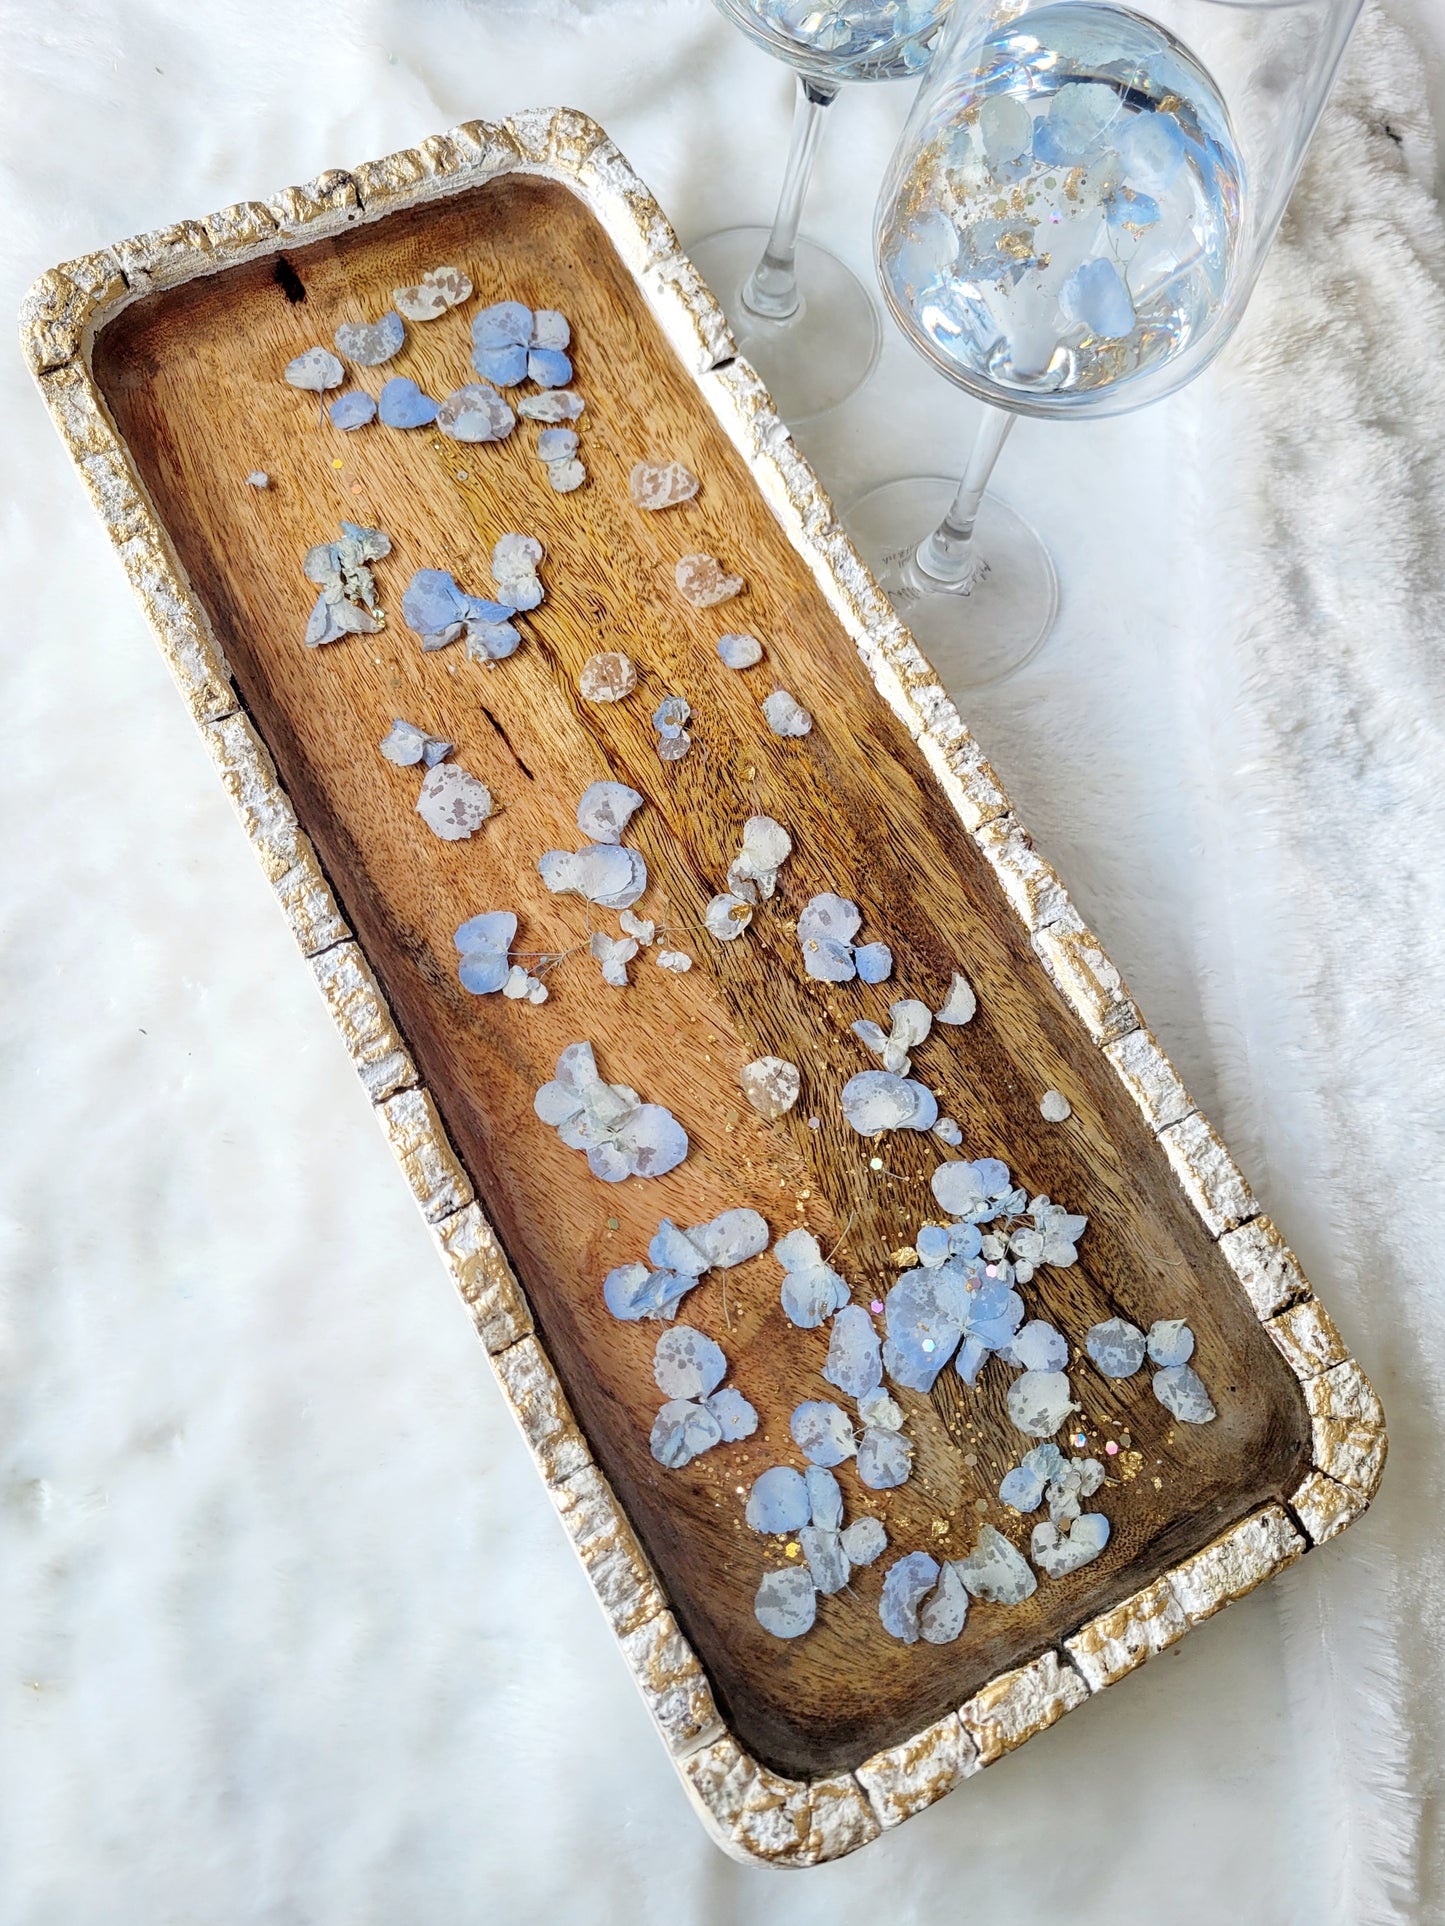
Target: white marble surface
288 1632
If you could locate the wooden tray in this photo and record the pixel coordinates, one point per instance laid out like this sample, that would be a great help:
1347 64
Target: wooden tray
160 359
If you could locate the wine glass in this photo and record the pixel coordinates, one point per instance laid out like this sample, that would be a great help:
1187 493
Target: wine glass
1071 226
804 320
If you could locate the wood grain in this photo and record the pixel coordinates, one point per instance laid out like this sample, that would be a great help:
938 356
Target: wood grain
193 379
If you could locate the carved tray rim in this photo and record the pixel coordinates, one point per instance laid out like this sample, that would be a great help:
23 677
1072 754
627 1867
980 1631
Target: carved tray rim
754 1813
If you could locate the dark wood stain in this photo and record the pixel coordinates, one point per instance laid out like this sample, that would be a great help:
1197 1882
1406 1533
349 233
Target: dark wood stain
193 379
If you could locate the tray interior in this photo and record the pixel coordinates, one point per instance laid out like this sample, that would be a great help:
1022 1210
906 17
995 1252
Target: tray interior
192 377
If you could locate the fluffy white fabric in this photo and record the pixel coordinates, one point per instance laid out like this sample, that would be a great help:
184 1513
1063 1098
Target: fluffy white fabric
289 1632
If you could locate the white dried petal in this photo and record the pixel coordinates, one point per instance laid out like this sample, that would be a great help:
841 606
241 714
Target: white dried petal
960 1005
771 1085
556 404
605 810
678 961
438 290
739 651
614 954
945 1611
607 677
948 1130
1040 1401
661 484
452 803
1054 1107
700 580
880 1411
1179 1388
567 475
1058 1556
785 715
996 1571
642 927
727 916
258 478
686 1364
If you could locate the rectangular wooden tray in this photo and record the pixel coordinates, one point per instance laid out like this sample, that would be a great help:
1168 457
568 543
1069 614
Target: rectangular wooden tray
160 359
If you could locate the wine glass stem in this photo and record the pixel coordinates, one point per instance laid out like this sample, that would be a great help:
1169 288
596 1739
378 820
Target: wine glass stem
947 555
771 291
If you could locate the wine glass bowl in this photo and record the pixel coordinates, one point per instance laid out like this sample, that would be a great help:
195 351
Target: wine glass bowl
1063 234
887 41
1070 227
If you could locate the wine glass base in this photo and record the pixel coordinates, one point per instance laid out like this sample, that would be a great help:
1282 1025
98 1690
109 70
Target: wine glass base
973 637
820 355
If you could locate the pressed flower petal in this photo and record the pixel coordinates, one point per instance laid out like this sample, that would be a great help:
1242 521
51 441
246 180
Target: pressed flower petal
687 1364
778 1501
823 1432
906 1584
787 1602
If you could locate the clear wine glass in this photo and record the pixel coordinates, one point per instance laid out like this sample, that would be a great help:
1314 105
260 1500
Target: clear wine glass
804 320
1071 226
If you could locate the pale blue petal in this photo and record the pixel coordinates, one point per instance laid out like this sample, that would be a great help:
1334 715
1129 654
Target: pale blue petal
778 1501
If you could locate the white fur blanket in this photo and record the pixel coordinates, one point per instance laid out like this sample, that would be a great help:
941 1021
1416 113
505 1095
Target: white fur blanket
288 1632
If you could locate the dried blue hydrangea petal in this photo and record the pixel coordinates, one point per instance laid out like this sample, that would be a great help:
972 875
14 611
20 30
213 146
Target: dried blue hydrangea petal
828 1563
1038 1347
879 1411
687 1363
434 607
556 444
625 1292
740 651
401 404
369 343
605 810
555 404
492 641
1180 1390
778 1502
735 1417
654 1141
1170 1341
604 873
823 1432
825 1497
453 803
484 942
874 962
945 1611
996 1571
864 1541
549 367
933 1243
475 412
505 324
682 1431
1040 1401
787 1602
550 329
785 715
885 1458
405 744
315 370
855 1356
1116 1347
906 1584
676 1250
831 916
732 1237
502 367
812 1291
352 410
1023 1488
1057 1555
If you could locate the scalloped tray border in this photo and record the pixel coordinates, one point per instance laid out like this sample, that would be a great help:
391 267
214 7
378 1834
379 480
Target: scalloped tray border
752 1812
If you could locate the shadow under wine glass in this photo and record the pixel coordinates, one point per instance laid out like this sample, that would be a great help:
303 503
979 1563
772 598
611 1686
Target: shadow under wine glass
1071 225
804 319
